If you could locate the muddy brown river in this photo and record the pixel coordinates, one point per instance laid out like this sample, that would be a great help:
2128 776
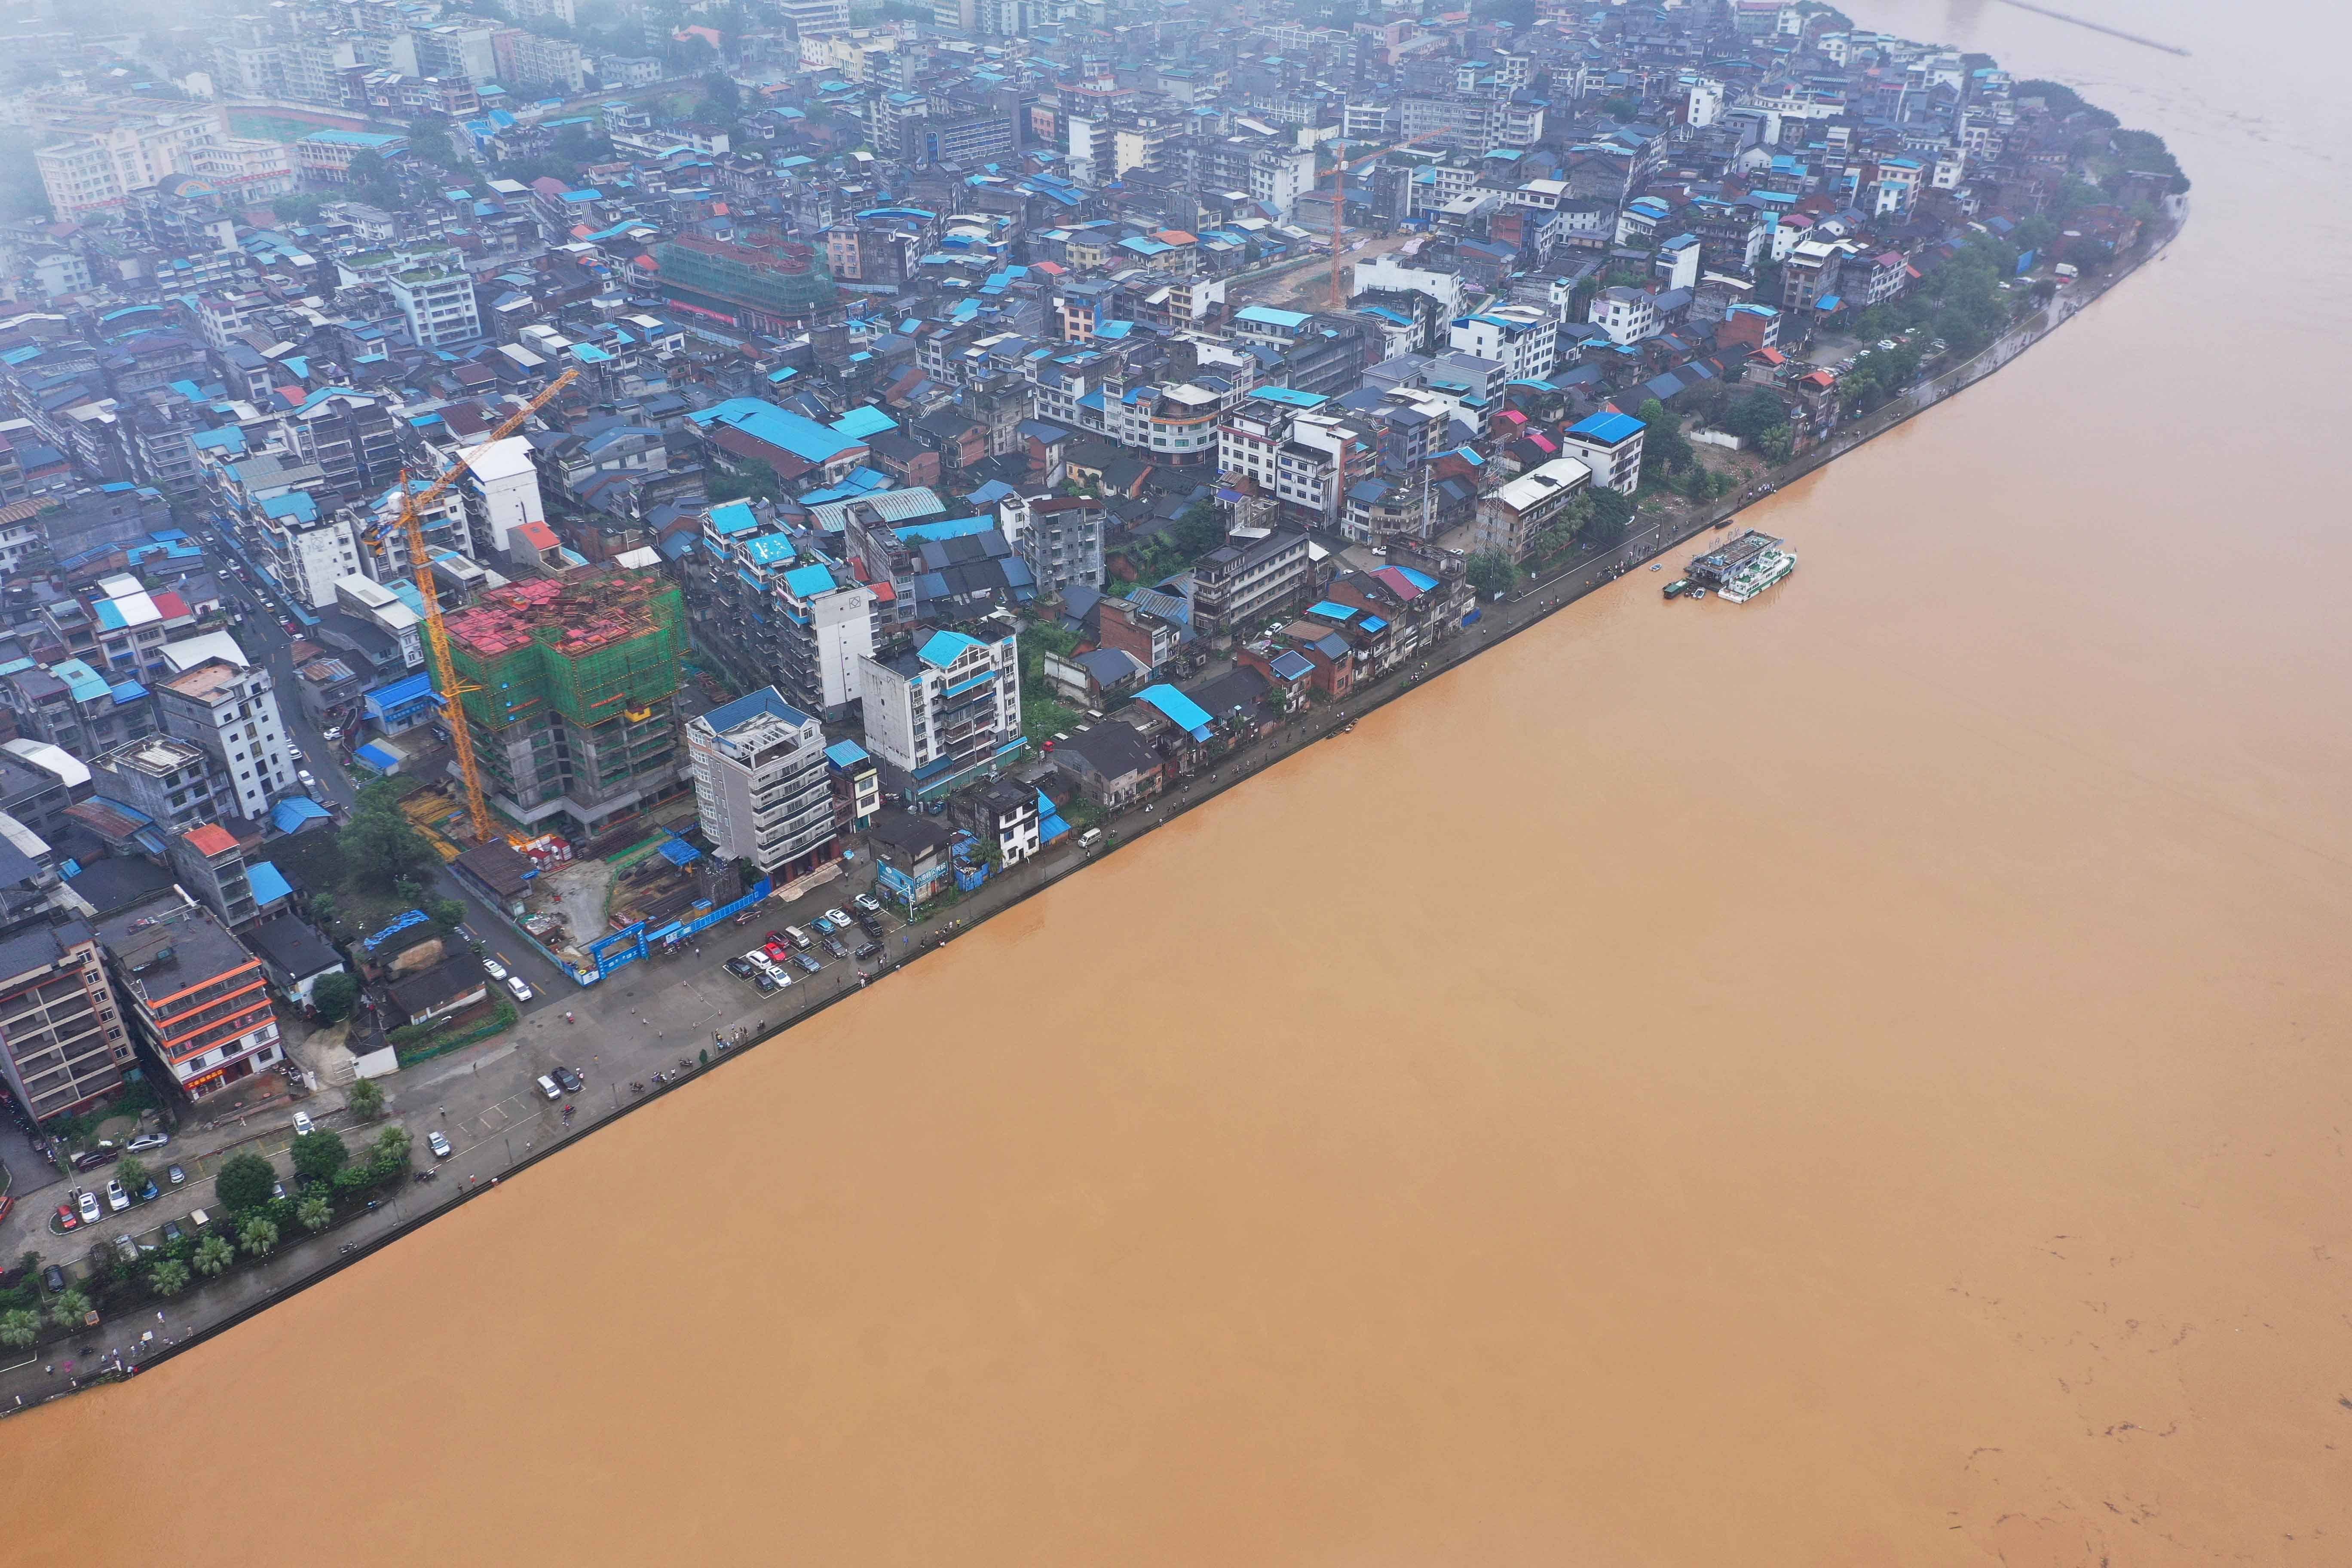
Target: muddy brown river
1855 1079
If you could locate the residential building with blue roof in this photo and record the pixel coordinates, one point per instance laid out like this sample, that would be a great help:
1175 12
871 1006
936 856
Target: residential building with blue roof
947 713
763 784
1610 444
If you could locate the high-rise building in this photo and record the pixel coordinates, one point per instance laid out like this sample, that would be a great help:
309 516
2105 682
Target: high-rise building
230 709
762 784
62 1042
436 301
574 681
946 713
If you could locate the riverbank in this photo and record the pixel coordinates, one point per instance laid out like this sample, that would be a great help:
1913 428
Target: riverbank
200 1315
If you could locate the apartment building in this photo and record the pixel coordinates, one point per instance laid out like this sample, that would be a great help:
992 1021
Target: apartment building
196 1002
436 301
762 785
1522 339
230 709
1245 580
167 779
1060 538
947 713
63 1045
1511 517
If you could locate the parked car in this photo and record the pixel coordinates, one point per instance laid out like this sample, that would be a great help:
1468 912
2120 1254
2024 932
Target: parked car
760 961
767 980
149 1193
86 1205
150 1141
807 962
740 967
438 1143
821 926
569 1080
837 917
522 992
494 969
55 1279
67 1218
91 1159
796 936
277 1192
774 938
303 1125
868 903
172 1231
117 1199
833 945
175 1175
870 949
548 1088
332 733
126 1249
778 953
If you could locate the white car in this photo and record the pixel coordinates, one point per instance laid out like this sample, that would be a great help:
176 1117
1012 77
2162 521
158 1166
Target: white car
837 917
303 1125
149 1141
295 752
522 992
759 961
494 969
302 776
116 1198
87 1205
437 1144
332 734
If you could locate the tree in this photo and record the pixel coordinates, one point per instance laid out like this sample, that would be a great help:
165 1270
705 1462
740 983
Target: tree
1198 530
391 1151
258 1235
316 1214
1621 107
19 1328
449 913
318 1157
384 848
244 1181
71 1309
1665 445
721 95
364 1100
333 995
428 138
1490 572
1612 513
212 1257
301 207
353 1180
168 1277
131 1175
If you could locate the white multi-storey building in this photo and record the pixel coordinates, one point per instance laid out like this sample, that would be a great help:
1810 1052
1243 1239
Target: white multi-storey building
501 490
230 709
437 303
1627 315
305 553
1520 338
762 783
947 713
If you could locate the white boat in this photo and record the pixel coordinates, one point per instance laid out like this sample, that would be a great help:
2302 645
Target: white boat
1758 574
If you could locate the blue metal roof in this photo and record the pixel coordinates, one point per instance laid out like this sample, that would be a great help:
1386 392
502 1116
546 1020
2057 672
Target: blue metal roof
808 581
845 755
269 884
945 647
1182 710
1608 428
767 699
289 814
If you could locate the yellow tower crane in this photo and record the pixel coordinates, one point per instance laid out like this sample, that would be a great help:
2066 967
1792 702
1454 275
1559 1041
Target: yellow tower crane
436 636
1340 201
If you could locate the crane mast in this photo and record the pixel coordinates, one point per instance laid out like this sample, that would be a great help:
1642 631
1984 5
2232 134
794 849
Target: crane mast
436 636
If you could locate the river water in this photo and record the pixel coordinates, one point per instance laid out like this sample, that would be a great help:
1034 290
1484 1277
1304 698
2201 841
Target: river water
1856 1079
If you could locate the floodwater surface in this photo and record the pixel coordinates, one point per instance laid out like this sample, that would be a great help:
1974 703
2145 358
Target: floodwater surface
1855 1079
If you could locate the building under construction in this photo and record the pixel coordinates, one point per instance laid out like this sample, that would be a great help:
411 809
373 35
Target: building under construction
573 685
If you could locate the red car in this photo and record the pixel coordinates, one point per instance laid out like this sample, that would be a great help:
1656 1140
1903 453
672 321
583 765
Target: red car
777 950
67 1218
775 938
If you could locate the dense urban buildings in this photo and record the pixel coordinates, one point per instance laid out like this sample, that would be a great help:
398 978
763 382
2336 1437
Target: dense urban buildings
832 434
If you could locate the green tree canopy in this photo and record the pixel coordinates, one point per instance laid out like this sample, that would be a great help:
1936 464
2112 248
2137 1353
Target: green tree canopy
318 1157
71 1309
19 1328
258 1235
316 1214
244 1181
364 1100
168 1277
333 995
213 1254
131 1175
1490 572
